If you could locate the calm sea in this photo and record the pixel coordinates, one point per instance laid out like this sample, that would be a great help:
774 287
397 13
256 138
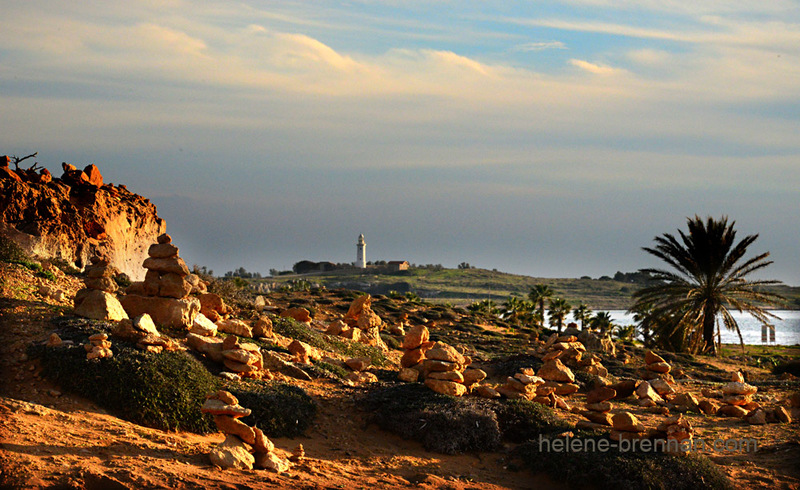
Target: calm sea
787 329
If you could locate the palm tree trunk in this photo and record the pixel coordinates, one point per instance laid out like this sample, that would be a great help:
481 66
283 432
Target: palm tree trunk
709 316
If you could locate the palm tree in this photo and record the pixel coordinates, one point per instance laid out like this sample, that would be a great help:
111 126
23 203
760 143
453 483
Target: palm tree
538 294
582 313
601 322
559 308
709 280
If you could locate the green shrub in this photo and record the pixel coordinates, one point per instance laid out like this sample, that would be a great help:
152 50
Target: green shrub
47 275
791 366
522 420
331 370
11 252
617 470
442 423
291 328
279 409
391 342
164 391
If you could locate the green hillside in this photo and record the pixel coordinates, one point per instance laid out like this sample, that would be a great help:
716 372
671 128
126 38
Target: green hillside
463 286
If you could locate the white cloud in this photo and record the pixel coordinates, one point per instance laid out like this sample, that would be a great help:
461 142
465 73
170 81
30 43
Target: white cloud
540 46
594 68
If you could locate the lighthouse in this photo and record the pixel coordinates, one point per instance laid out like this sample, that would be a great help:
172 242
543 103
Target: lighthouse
361 254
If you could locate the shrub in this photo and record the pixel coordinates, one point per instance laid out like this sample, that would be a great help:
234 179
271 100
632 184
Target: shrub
791 366
296 330
323 369
164 391
442 423
522 420
280 410
616 470
47 275
11 252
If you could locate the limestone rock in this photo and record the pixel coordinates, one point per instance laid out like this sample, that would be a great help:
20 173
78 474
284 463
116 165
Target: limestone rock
651 357
232 453
708 407
235 327
600 394
218 407
624 388
486 391
444 352
231 425
659 367
210 346
262 327
782 415
162 250
626 422
602 418
100 305
661 386
300 314
412 357
605 406
555 370
169 312
446 387
454 376
358 364
731 411
415 336
262 443
212 306
273 462
472 376
175 265
737 388
203 326
362 377
408 375
144 324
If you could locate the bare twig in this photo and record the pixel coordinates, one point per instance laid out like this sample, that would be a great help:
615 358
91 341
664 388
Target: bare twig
17 160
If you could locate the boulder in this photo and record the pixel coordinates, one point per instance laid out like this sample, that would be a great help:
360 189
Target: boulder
210 346
162 250
175 265
144 323
368 320
555 370
230 425
646 391
408 375
235 327
472 376
412 357
626 422
273 462
444 352
262 443
357 307
169 312
93 175
415 337
217 407
756 417
173 286
262 327
600 394
731 411
358 363
203 326
106 284
212 306
446 387
300 314
100 305
661 386
708 407
232 453
738 388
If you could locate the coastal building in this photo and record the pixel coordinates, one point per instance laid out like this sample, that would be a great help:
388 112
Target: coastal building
361 253
398 265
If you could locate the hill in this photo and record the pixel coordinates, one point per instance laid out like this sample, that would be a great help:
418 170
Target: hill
463 286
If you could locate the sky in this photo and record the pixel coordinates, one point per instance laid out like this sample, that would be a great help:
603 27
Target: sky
552 139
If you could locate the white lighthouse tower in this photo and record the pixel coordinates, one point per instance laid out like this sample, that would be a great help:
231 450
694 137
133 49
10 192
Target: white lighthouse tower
361 255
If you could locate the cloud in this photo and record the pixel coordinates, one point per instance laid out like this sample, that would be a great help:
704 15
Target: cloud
541 46
650 57
594 68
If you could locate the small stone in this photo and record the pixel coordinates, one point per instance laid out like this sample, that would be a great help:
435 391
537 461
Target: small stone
731 411
659 367
298 453
708 407
162 250
600 394
218 407
782 415
54 340
201 325
651 357
555 370
273 462
358 364
164 238
604 406
472 376
737 388
756 417
446 387
408 375
262 443
230 425
415 337
235 327
486 391
454 376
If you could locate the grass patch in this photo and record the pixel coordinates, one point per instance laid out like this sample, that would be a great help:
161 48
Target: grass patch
442 423
279 409
331 370
291 328
164 391
615 470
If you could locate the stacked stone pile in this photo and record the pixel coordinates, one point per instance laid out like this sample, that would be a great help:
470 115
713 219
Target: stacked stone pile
96 300
98 347
598 405
571 352
676 428
359 373
164 294
737 397
360 324
244 447
213 306
647 395
143 331
441 367
655 367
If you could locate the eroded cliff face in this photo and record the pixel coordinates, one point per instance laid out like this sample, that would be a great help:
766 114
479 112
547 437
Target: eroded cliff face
77 216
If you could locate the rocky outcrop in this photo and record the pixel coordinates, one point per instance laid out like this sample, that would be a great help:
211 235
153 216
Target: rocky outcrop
77 216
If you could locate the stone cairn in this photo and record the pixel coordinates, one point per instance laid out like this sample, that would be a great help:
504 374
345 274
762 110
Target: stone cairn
98 347
440 366
736 397
360 324
244 447
625 425
96 300
164 294
144 333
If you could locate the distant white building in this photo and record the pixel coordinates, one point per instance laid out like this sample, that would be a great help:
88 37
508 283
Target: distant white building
361 254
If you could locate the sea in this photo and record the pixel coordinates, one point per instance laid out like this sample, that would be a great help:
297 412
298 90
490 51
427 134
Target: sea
787 329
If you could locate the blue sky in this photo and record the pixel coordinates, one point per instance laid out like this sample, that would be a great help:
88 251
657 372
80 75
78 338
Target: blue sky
552 139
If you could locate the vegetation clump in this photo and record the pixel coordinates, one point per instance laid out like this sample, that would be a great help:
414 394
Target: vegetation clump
441 423
522 420
164 391
617 470
279 409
